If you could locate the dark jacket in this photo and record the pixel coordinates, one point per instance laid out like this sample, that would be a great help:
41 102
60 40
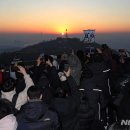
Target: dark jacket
67 107
35 115
86 113
53 77
39 71
20 82
100 77
47 79
94 95
124 107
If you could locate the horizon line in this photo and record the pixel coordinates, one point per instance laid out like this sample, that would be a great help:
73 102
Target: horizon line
45 33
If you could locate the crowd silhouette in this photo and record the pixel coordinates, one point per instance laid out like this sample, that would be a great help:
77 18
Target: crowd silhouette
76 91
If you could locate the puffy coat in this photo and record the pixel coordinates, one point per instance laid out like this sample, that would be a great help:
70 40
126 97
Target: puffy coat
67 107
8 123
35 115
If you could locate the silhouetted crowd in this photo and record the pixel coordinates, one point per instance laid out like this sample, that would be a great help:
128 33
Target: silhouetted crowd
76 91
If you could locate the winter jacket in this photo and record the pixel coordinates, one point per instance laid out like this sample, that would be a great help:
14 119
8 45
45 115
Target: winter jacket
124 107
20 82
35 115
86 113
8 123
22 97
67 107
94 95
39 71
53 77
100 77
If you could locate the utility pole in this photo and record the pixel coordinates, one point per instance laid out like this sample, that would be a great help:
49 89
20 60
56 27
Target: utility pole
66 36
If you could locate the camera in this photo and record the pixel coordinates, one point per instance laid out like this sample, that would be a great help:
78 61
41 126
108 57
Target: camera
15 63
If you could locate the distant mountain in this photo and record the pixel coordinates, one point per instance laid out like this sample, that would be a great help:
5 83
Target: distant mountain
9 49
58 46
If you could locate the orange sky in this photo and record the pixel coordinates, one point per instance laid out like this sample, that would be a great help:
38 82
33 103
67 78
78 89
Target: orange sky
55 16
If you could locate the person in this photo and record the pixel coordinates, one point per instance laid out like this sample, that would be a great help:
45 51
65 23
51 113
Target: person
107 55
93 81
7 119
76 67
124 106
35 114
46 77
66 102
119 126
95 100
8 89
124 62
81 57
86 113
40 69
100 74
62 60
52 74
55 63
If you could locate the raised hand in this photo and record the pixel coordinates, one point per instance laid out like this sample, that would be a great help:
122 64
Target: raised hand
22 70
68 73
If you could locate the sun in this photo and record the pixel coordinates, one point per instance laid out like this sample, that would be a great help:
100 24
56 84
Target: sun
62 33
61 29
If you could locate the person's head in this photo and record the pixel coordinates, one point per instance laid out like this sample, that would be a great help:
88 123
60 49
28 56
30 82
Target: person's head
41 59
8 85
34 92
48 57
6 108
64 57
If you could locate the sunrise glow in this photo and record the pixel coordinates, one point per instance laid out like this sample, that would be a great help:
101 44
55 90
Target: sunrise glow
47 16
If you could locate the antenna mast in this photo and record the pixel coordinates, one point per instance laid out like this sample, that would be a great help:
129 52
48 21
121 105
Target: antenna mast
66 34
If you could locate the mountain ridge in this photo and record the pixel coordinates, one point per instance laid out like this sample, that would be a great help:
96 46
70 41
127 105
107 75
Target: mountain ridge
56 47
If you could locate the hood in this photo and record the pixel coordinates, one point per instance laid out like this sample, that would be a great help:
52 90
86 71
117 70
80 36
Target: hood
34 110
8 123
